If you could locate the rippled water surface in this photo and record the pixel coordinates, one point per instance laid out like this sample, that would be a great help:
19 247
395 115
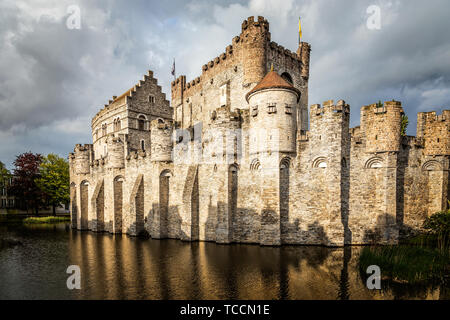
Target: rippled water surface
122 267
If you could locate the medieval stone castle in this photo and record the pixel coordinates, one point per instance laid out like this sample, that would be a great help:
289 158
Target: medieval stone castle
234 158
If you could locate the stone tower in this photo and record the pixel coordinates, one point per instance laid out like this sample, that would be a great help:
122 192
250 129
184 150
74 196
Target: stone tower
161 140
330 155
434 131
255 35
273 126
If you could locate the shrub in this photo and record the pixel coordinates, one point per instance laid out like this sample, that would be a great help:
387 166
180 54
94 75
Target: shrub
438 225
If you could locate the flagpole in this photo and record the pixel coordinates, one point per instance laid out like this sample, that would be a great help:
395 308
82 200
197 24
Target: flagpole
173 70
300 36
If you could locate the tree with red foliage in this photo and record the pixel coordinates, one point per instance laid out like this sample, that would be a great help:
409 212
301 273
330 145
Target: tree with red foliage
26 173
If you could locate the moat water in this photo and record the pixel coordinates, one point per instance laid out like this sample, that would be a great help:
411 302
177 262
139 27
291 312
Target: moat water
122 267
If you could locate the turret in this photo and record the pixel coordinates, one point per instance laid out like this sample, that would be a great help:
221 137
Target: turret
116 153
303 52
222 141
161 140
255 35
81 158
434 130
178 87
381 125
273 115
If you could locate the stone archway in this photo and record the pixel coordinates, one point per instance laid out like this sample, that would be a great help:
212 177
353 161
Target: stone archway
164 187
118 204
84 205
73 205
232 196
284 198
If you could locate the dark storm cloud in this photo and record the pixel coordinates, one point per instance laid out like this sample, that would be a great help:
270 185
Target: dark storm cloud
53 80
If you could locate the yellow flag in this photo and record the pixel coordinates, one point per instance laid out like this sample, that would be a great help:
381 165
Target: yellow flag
299 30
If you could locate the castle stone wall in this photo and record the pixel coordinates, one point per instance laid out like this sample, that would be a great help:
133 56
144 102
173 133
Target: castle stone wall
204 174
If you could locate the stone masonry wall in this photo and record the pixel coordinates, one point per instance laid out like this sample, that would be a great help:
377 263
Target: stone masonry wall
327 184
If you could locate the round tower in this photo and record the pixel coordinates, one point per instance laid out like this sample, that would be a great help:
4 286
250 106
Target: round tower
82 158
222 142
161 140
273 115
116 156
255 35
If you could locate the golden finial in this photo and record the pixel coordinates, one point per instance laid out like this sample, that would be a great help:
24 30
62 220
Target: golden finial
271 67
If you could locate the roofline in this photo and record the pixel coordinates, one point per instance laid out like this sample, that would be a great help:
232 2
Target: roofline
293 89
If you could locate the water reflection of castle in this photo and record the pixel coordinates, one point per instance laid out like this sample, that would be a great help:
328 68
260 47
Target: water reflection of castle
140 269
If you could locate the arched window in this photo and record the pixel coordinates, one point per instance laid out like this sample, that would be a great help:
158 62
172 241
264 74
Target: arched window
374 163
142 145
104 129
320 162
255 165
141 122
286 76
117 124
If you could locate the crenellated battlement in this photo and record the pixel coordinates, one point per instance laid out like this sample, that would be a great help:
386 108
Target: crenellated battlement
304 53
81 158
223 117
116 151
329 108
279 49
381 126
161 140
261 24
434 130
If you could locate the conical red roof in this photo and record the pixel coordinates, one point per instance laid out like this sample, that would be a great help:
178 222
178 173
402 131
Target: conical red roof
272 80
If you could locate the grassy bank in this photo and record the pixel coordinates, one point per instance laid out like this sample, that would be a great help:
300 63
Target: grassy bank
420 259
35 220
406 263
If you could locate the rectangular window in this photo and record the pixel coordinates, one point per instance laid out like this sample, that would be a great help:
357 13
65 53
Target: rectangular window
288 109
254 111
381 109
271 108
224 94
179 115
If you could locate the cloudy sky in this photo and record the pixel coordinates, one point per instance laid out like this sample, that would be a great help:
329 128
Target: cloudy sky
53 79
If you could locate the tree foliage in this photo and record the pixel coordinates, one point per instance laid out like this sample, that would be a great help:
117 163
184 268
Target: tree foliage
404 124
4 173
54 179
438 225
4 176
26 172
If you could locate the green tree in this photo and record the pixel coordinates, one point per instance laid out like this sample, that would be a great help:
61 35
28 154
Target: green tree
380 104
404 124
4 173
54 180
438 225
